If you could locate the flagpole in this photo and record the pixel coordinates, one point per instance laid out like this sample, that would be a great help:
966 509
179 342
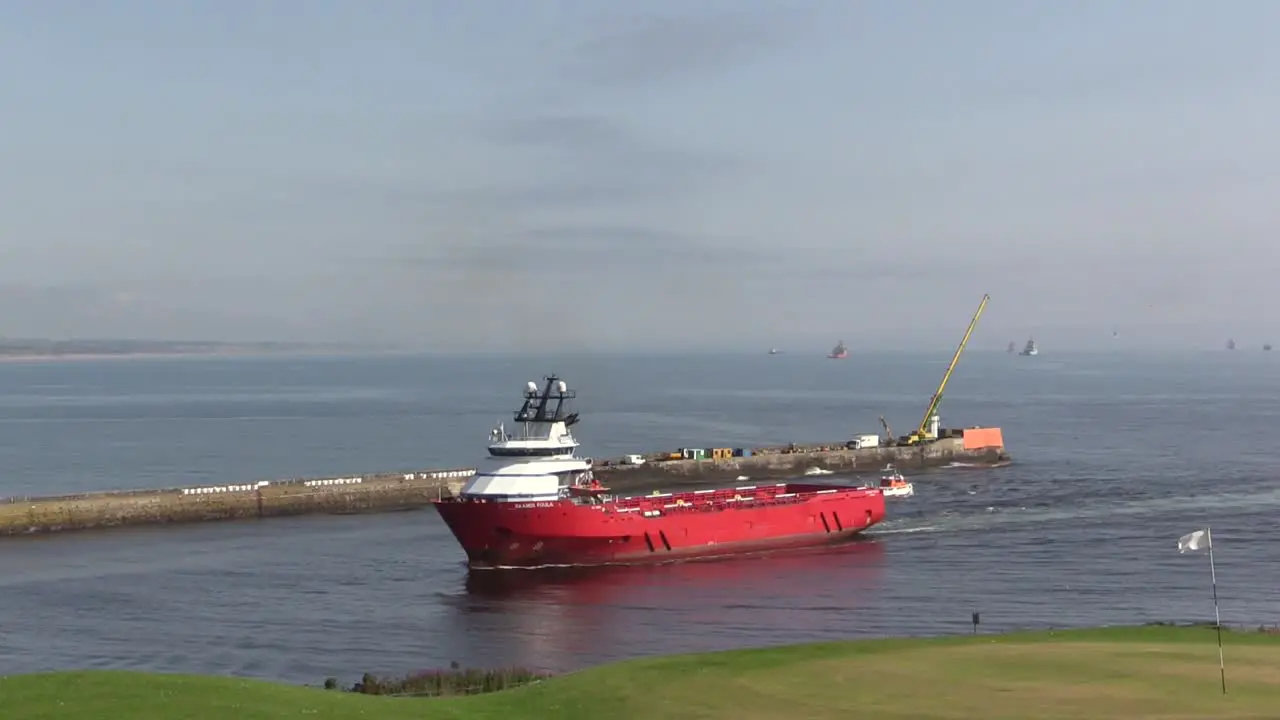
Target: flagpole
1213 576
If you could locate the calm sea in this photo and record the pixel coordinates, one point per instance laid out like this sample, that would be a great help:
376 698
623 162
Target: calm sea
1115 457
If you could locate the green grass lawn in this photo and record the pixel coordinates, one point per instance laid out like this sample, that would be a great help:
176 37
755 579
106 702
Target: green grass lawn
1147 672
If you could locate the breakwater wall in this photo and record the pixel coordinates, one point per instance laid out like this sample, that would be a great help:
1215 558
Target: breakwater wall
385 492
263 499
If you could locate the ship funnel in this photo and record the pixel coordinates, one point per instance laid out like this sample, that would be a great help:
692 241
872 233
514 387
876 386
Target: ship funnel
563 386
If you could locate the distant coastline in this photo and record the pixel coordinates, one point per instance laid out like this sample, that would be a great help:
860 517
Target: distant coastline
60 350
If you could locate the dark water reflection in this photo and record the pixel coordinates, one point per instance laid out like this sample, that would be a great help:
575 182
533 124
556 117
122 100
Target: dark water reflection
689 605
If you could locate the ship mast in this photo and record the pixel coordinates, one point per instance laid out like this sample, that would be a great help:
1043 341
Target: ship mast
537 406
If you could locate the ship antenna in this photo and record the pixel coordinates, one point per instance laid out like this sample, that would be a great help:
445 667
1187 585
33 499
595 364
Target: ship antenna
546 396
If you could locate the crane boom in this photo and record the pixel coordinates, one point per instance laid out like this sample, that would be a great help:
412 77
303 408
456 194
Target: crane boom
937 396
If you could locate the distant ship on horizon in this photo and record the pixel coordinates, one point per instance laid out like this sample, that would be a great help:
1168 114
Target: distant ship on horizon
1030 349
775 351
839 352
1231 344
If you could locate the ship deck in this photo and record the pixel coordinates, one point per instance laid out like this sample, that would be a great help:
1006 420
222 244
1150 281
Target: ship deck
726 498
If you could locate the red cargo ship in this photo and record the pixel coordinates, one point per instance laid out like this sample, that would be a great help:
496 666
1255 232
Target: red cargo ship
548 510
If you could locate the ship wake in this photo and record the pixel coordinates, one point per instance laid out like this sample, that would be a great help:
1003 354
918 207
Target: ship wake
997 516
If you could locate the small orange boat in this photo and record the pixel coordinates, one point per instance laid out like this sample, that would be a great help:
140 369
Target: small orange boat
893 484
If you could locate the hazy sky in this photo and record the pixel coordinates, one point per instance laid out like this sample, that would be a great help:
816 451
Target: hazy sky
516 174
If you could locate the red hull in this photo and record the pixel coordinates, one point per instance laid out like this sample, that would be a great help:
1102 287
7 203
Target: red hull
658 528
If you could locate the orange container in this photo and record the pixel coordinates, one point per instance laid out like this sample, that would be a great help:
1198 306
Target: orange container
979 438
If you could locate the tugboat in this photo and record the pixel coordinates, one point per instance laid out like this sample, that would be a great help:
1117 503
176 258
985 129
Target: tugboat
839 352
893 484
548 509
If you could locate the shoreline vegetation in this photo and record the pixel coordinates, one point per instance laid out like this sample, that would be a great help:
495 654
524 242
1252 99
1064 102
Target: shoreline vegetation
1158 670
443 683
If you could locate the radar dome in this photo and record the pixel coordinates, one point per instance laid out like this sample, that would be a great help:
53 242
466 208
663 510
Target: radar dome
563 386
531 387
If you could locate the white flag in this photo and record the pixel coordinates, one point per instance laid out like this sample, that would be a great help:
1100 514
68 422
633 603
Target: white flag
1191 542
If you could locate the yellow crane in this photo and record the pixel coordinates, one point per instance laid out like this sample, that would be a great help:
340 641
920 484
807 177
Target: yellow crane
924 432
